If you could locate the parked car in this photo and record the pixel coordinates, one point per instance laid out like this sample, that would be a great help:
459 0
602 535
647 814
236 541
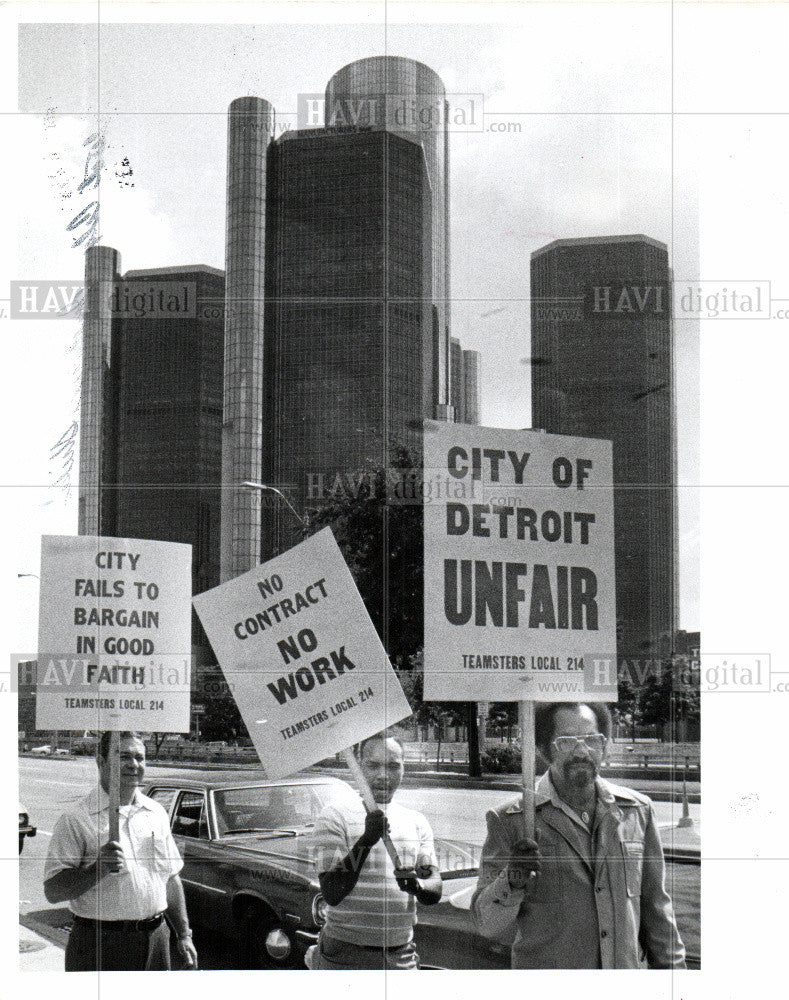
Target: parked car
44 750
247 872
248 875
26 829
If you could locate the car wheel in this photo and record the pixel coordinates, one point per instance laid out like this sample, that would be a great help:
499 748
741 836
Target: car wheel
265 944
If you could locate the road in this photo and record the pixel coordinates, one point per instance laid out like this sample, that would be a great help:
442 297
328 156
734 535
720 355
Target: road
48 786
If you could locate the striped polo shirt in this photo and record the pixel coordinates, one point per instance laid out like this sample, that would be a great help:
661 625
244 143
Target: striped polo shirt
376 912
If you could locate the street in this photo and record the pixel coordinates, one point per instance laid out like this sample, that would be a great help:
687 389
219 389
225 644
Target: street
47 786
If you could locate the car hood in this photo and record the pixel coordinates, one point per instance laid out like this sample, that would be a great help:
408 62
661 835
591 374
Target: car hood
293 850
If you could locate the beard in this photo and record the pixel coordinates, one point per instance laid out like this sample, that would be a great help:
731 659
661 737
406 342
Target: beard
579 773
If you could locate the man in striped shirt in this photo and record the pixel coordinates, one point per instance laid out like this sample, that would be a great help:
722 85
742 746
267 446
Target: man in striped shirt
372 906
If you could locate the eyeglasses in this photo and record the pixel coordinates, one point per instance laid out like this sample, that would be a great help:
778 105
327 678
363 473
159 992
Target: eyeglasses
567 744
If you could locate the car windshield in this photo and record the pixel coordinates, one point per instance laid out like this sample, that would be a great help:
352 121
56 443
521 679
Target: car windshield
270 807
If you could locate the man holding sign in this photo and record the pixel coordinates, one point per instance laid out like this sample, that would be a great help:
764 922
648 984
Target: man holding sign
372 905
590 893
119 891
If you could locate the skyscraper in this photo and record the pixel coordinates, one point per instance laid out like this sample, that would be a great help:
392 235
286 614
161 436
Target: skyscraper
96 419
471 393
337 329
152 408
250 128
457 380
408 98
464 383
349 344
603 366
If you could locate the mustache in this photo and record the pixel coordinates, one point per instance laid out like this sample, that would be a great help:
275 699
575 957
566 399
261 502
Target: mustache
587 764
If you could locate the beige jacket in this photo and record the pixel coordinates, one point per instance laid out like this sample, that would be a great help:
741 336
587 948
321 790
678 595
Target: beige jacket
609 911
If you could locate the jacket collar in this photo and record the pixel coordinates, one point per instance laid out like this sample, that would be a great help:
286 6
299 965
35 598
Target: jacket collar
611 794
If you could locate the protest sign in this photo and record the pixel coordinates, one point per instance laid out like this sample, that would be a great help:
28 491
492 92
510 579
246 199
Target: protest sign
519 566
114 644
301 656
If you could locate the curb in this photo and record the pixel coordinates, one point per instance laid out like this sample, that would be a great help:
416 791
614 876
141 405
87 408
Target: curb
54 935
506 783
454 779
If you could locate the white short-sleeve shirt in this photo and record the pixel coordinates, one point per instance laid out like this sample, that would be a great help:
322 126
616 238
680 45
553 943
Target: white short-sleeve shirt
149 850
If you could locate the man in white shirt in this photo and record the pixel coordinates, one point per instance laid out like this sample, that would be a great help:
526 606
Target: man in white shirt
119 891
372 906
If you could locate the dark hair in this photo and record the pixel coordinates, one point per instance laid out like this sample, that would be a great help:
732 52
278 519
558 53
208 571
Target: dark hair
383 736
545 714
104 741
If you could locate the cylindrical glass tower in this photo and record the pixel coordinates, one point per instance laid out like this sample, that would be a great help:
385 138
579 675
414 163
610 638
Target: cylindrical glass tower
250 128
408 98
102 269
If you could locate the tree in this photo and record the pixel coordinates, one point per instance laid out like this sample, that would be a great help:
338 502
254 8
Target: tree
670 695
380 535
221 719
428 713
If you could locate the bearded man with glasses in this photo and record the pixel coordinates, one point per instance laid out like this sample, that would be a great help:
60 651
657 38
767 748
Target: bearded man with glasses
590 892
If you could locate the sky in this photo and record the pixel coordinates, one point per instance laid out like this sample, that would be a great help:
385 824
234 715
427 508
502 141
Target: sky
578 141
668 119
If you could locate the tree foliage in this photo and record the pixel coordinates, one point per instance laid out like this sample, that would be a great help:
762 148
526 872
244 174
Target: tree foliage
378 527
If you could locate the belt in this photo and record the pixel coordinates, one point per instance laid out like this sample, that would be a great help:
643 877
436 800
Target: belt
391 947
372 947
139 926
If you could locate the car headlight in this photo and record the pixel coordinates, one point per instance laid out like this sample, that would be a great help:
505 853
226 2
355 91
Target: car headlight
319 910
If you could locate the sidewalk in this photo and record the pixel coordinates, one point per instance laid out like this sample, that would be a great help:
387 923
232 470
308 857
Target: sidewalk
37 954
680 838
658 791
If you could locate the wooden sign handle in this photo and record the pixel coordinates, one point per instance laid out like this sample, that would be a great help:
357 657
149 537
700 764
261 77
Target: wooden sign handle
370 804
526 720
115 786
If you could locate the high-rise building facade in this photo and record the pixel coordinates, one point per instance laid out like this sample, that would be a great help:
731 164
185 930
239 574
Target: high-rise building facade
457 381
154 433
348 323
464 383
250 128
408 98
471 387
603 366
96 420
337 328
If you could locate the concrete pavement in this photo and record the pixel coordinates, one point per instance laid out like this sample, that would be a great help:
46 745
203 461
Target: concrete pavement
37 954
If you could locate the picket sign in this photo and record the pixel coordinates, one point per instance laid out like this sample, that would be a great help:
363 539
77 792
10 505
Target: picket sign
498 628
89 677
369 802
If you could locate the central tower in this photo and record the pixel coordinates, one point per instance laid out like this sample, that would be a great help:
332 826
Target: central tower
407 98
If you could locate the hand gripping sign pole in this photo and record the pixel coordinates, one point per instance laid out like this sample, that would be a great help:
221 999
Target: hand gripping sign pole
369 802
526 720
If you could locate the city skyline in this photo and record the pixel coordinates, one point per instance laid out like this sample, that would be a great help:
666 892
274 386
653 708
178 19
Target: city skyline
666 119
488 288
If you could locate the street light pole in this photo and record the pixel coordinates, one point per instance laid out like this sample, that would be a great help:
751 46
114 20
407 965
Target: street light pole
265 488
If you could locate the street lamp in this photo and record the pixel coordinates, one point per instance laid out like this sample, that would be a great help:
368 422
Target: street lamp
265 488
